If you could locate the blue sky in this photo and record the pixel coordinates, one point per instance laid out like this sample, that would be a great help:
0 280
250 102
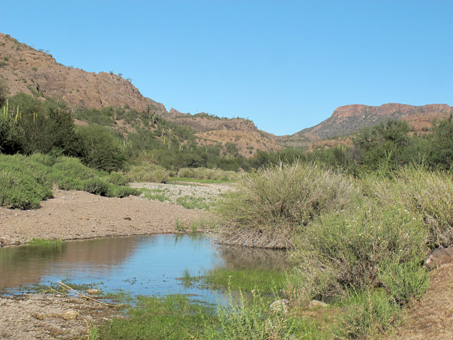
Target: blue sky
284 64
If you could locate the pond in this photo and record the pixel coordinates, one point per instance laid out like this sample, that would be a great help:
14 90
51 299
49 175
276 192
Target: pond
141 265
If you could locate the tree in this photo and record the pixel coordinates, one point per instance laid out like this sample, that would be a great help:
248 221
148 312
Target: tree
99 149
441 145
383 145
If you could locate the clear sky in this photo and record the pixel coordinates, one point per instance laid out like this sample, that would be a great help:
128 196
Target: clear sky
284 64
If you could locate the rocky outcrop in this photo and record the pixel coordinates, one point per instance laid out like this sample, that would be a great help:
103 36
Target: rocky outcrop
387 110
27 70
24 69
349 119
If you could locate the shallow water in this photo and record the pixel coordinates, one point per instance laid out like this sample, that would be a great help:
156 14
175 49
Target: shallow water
141 265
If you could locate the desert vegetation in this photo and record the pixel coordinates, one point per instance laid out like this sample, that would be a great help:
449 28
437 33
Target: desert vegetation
357 220
27 180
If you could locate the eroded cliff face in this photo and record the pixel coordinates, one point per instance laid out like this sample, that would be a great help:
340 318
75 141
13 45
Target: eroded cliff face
388 110
349 119
24 69
27 70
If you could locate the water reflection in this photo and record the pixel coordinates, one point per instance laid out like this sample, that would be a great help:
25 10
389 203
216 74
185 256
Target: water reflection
253 258
146 265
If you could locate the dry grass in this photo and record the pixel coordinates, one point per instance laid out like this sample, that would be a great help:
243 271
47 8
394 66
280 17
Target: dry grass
272 204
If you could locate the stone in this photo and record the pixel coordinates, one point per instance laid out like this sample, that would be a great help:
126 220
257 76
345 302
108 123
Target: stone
316 304
279 306
438 257
70 315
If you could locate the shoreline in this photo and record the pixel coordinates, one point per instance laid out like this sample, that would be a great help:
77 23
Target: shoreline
78 215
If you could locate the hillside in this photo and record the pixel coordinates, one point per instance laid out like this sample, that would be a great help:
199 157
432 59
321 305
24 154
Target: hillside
348 119
27 70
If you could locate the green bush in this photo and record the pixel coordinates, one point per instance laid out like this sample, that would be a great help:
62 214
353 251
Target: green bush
351 248
117 178
99 149
148 172
429 194
27 180
23 182
96 186
404 281
367 314
282 199
421 192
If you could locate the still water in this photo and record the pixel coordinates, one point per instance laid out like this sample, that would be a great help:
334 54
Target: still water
144 265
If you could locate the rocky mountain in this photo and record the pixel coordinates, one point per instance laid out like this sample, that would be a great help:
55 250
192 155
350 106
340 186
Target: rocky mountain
346 120
25 69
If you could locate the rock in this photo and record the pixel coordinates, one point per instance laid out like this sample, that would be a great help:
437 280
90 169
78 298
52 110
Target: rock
70 315
279 306
92 291
438 257
316 304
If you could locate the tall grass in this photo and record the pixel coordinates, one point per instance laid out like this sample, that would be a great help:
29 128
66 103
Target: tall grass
349 249
274 203
361 240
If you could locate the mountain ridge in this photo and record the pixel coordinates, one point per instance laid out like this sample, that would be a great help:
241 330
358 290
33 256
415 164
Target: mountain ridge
28 70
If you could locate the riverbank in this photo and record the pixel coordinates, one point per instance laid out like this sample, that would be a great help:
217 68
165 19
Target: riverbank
80 215
49 316
73 215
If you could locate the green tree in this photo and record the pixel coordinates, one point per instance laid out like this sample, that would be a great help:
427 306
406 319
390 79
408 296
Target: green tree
99 148
441 145
382 146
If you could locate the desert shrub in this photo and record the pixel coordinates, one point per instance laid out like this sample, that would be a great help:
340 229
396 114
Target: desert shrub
96 186
281 200
209 174
21 191
421 192
117 178
121 191
382 146
249 320
351 248
23 183
148 172
431 195
367 314
67 169
27 180
186 172
47 160
441 145
404 281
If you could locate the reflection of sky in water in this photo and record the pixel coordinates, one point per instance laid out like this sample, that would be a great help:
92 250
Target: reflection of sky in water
152 267
145 265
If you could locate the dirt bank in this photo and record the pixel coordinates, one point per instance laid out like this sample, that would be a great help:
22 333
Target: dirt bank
79 215
432 317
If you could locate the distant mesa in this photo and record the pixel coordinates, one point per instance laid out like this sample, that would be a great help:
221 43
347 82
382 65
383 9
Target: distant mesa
348 119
